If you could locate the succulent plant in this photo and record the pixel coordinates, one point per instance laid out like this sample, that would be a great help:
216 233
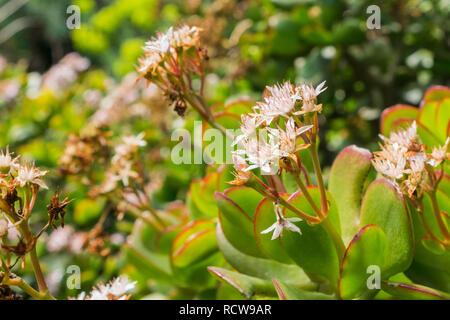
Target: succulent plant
385 232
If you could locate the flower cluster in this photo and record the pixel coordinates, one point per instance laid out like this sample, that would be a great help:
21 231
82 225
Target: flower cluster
403 159
273 130
82 151
61 75
14 175
281 125
170 60
116 289
122 163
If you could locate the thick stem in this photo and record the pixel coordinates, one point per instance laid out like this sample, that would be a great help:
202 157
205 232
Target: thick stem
34 259
318 171
335 237
37 271
438 217
19 282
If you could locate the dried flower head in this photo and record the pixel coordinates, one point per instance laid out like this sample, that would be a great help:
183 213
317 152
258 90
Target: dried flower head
56 209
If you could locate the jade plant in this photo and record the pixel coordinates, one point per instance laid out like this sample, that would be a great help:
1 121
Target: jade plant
334 242
281 229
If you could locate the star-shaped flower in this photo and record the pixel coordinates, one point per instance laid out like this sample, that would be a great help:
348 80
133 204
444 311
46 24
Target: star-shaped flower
282 223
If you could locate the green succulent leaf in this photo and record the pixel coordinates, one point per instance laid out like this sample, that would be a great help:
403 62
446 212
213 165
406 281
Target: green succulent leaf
195 242
429 276
433 245
422 254
442 118
384 206
368 248
408 291
347 177
288 292
258 267
236 211
264 218
391 114
436 93
314 246
202 195
151 265
246 285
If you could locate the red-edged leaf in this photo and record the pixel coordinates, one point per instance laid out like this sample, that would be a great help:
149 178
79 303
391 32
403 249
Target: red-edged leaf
395 112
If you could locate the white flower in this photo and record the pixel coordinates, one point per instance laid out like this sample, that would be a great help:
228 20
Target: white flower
135 141
249 124
125 172
287 138
31 175
279 102
389 169
439 154
404 137
241 176
121 286
149 62
160 43
7 163
185 36
282 223
115 290
260 154
309 97
402 159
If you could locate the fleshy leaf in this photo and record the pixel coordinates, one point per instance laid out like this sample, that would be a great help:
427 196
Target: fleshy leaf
197 247
246 285
314 246
237 225
193 243
347 177
258 267
433 245
368 248
264 218
429 276
421 254
288 292
202 194
384 206
442 118
436 93
398 111
408 291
